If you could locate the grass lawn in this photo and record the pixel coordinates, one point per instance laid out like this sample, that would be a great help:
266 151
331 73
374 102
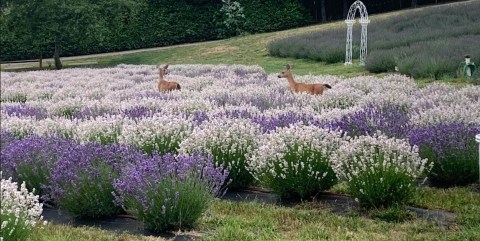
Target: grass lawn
227 220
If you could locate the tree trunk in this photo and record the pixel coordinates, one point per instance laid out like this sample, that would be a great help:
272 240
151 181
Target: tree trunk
322 11
56 57
345 9
41 60
414 3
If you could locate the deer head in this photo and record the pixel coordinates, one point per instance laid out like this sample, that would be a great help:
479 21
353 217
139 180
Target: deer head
287 72
162 71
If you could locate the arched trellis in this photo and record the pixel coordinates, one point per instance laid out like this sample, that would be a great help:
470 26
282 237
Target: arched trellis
357 5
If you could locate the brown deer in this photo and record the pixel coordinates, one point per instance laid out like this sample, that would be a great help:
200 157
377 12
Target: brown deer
314 89
164 85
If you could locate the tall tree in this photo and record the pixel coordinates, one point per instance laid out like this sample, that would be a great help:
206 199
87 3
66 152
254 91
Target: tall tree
51 24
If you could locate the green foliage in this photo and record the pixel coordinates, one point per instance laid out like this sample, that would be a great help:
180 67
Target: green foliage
15 228
298 180
383 187
271 15
90 197
35 175
174 204
393 214
85 27
16 97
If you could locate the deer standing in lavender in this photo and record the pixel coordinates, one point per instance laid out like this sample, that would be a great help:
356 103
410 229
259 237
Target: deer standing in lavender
314 89
164 85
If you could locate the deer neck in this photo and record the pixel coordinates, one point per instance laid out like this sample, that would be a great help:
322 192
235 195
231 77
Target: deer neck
160 77
291 82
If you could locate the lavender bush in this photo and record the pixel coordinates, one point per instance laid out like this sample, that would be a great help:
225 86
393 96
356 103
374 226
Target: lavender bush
391 119
228 141
379 171
26 110
82 180
158 134
169 192
20 211
452 149
296 161
31 160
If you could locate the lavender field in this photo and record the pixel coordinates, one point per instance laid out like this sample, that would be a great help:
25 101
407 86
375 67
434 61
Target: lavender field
244 125
423 43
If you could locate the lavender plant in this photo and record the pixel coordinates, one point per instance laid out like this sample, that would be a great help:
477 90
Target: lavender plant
20 211
391 119
6 138
452 149
170 192
271 123
82 180
228 141
379 171
160 134
32 159
104 130
296 161
25 110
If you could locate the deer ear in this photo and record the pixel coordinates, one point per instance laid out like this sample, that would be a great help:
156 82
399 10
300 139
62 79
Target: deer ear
166 66
288 66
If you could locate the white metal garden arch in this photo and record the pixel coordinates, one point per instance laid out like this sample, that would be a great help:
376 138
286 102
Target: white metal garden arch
364 22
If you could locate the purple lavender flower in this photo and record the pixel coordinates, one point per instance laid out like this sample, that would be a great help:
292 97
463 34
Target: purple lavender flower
91 112
235 114
32 160
199 116
284 120
6 138
24 110
139 112
82 180
452 149
170 191
392 120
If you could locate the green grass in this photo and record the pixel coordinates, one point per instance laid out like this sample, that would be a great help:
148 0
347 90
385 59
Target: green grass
53 232
228 220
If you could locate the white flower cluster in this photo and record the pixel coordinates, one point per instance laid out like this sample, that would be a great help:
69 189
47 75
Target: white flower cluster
293 150
377 153
159 131
223 137
441 103
100 129
20 209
